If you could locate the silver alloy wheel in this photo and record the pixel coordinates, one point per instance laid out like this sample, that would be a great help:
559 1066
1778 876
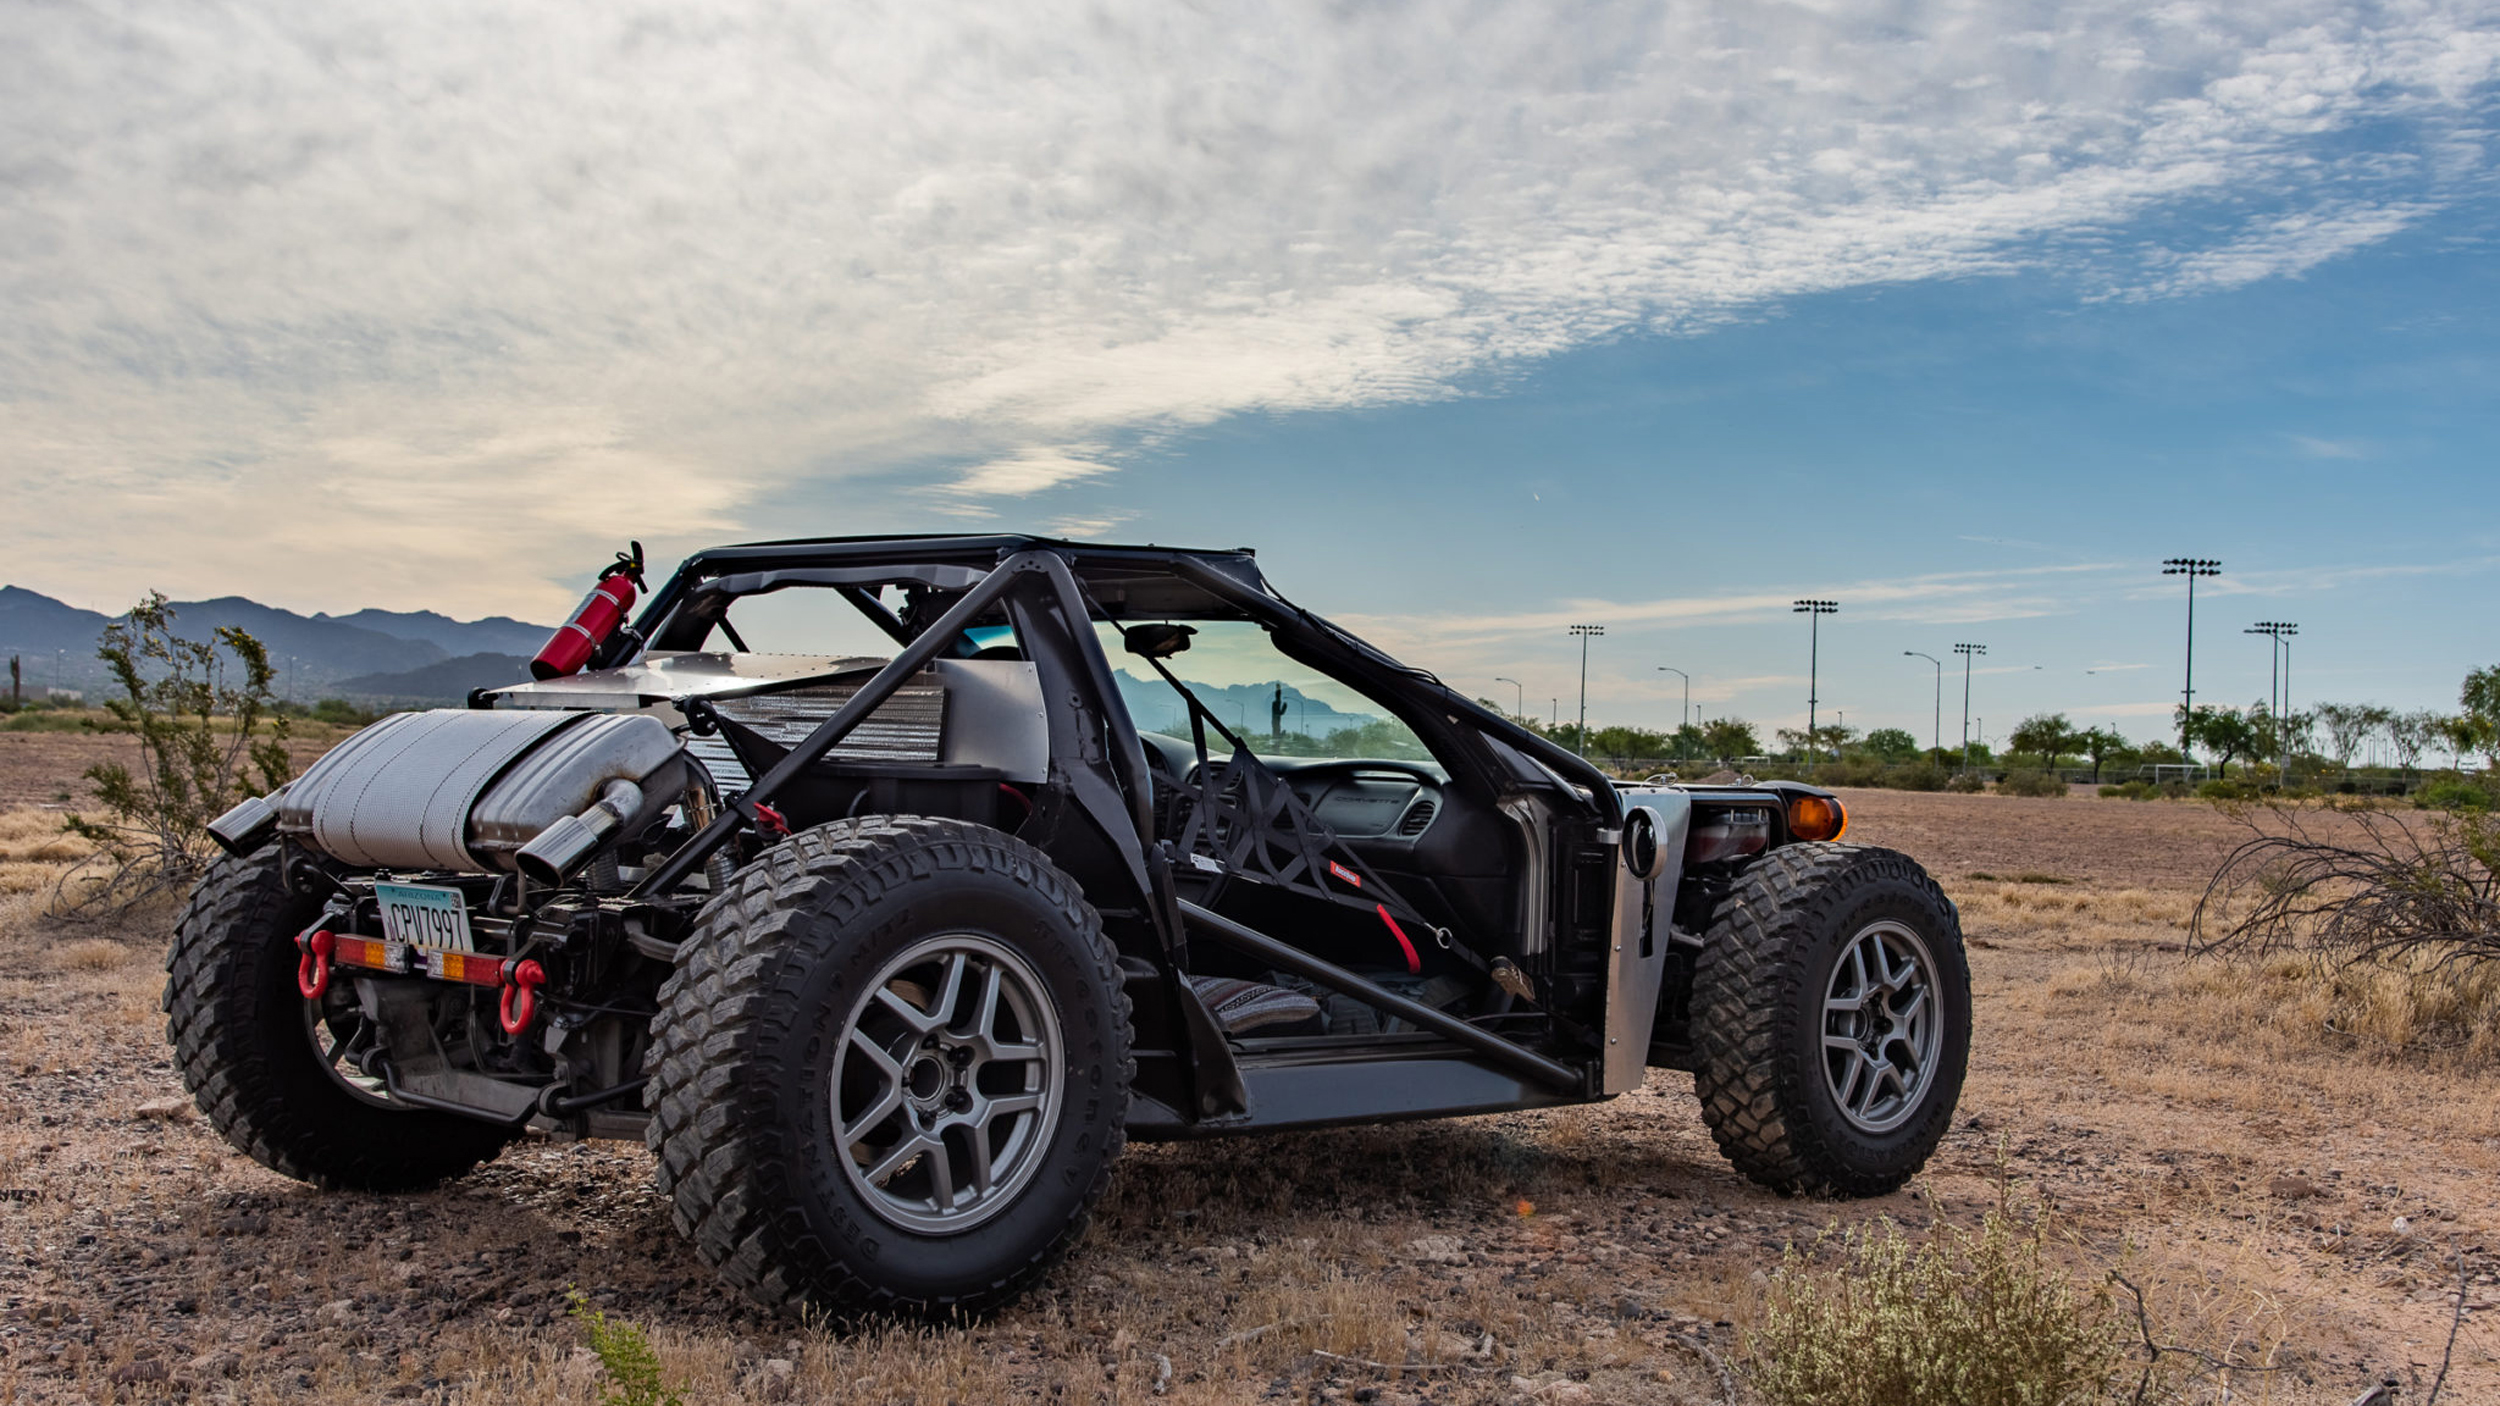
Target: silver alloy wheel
946 1084
1881 1027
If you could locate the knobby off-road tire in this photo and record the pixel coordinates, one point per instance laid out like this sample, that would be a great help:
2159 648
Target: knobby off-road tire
813 993
241 1038
1805 984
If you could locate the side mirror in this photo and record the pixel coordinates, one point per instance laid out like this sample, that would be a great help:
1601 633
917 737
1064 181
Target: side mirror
1157 641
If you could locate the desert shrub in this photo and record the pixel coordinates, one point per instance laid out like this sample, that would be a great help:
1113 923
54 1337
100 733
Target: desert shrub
1970 1318
2031 783
2454 793
2221 789
202 747
1924 776
633 1368
2130 790
1967 783
1850 774
2398 891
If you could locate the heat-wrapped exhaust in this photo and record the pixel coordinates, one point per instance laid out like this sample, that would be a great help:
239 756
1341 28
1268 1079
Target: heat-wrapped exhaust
569 843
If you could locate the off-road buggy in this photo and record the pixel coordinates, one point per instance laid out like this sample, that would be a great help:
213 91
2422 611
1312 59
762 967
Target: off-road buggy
886 958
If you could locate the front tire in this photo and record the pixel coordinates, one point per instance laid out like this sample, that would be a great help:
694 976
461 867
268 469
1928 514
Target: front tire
891 1071
261 1061
1831 1020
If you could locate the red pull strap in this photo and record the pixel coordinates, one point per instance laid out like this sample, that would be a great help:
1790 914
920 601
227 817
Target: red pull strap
1414 961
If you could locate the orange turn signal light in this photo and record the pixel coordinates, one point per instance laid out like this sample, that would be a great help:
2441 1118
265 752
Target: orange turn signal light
1817 818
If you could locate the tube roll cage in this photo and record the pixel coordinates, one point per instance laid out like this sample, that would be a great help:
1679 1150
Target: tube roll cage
1050 611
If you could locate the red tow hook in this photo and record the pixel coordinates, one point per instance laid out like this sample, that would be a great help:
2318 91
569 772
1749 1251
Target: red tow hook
771 821
312 970
521 979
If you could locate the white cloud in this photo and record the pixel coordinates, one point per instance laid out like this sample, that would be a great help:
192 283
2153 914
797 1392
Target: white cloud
508 280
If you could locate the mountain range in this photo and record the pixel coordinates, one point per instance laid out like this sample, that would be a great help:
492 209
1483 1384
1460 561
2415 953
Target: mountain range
394 656
370 654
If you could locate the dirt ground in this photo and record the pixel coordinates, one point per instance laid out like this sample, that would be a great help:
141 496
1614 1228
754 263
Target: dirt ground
2288 1196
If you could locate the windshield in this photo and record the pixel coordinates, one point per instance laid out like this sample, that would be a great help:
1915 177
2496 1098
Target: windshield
1279 707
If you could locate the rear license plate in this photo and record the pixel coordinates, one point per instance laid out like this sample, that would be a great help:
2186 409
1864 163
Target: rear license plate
425 917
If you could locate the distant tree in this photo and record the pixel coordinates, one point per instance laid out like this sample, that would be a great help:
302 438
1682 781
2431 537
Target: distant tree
2227 733
2045 735
2467 732
2411 734
1688 742
1623 744
1729 738
1892 744
2101 744
1794 741
2481 694
2348 725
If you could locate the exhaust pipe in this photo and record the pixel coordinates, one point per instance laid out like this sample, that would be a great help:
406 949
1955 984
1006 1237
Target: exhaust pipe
245 828
565 846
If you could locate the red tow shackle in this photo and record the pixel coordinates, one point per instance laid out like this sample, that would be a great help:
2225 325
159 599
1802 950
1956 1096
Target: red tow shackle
520 995
312 970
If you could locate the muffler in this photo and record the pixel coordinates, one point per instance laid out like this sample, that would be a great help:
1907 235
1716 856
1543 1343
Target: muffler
569 843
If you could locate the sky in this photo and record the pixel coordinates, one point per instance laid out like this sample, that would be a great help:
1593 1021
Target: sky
1476 320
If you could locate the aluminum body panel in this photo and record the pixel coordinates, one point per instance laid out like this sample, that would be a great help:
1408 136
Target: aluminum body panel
398 794
660 676
563 775
1644 910
994 716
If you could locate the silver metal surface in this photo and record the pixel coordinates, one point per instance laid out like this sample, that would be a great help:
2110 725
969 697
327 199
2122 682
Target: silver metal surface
571 771
1644 913
947 1084
464 789
1881 1028
662 675
398 794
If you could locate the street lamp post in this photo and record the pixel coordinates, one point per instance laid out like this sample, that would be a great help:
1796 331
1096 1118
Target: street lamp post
2279 689
1936 739
1968 653
1518 696
1683 712
1585 633
2191 568
1814 611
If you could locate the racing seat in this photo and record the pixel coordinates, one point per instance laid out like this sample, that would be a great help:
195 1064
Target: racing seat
1244 1007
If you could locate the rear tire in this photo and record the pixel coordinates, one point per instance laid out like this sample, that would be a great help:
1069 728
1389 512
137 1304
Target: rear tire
891 1071
1831 1020
246 1048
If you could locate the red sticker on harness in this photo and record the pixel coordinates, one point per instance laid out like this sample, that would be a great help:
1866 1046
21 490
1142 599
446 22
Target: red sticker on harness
1344 873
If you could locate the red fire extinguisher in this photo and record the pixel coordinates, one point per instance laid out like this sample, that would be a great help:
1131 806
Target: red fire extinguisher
594 621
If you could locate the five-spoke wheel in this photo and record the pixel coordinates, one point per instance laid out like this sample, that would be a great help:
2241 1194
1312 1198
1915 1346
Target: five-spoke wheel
947 1083
1880 1030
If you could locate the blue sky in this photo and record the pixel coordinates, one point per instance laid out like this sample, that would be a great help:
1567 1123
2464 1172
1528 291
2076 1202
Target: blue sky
1476 320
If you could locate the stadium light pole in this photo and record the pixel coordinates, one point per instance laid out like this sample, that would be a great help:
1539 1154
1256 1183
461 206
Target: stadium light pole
1814 611
1968 652
2280 654
1585 633
1683 711
2191 568
1518 696
1936 739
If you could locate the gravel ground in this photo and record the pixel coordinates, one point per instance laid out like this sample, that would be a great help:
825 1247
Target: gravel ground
2275 1197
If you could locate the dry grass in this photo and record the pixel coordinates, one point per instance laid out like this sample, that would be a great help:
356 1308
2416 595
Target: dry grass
2240 1138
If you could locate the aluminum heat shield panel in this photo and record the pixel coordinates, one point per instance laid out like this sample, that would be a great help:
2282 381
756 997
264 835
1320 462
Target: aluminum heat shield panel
397 795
